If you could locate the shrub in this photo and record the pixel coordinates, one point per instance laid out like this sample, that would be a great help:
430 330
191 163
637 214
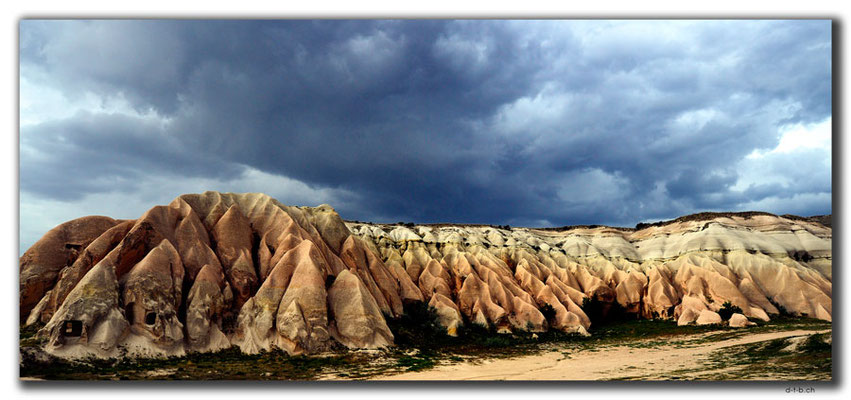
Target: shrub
727 310
802 256
816 343
782 310
549 312
601 312
418 326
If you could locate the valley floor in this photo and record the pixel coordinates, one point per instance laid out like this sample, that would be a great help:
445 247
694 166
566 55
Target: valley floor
753 356
784 349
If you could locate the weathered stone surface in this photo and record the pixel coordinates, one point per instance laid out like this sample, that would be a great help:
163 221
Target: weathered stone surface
233 236
204 310
374 274
93 304
151 294
448 314
739 321
57 249
215 269
305 303
358 322
70 276
708 317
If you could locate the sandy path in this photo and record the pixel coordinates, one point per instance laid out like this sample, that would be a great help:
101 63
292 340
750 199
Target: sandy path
604 363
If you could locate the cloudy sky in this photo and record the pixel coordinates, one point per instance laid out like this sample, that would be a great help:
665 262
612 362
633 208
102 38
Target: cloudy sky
528 123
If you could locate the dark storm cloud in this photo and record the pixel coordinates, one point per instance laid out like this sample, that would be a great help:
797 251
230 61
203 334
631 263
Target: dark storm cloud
527 122
92 153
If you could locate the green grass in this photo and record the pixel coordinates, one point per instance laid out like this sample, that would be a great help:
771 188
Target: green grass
416 363
225 364
774 360
27 335
421 343
419 330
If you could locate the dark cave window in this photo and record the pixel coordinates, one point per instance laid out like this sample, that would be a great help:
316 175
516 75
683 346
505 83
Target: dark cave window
72 246
128 313
150 318
72 327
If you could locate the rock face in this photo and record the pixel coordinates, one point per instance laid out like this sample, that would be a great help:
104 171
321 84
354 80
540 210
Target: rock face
708 317
214 270
739 321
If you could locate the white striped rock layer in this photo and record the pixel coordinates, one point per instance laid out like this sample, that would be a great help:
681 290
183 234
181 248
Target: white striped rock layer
214 270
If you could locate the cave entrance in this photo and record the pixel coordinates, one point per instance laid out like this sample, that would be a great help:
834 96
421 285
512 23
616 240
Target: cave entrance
72 328
150 318
129 314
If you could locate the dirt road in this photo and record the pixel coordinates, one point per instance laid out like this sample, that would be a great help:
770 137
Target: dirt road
629 361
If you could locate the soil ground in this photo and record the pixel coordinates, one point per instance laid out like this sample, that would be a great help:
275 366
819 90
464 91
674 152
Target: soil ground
783 349
686 358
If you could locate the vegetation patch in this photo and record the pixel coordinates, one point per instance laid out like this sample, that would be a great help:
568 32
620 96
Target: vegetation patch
225 364
727 310
602 313
27 335
779 359
421 343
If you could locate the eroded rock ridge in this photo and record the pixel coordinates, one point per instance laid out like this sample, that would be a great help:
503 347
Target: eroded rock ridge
213 270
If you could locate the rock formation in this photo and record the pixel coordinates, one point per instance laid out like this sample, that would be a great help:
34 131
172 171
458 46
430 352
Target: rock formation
213 270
